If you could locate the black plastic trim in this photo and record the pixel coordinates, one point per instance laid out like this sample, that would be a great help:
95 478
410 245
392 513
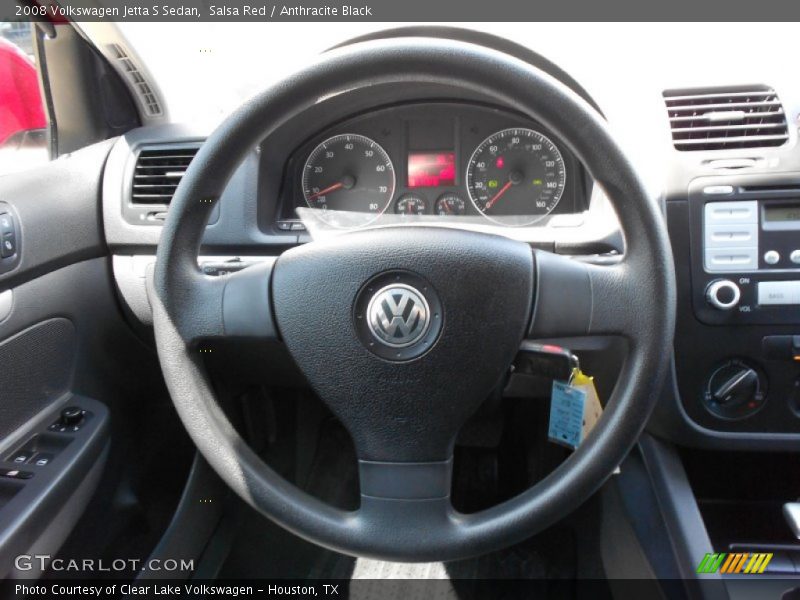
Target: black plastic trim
31 510
86 95
196 518
9 263
246 308
684 524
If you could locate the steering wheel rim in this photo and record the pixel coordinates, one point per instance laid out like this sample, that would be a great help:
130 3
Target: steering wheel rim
188 306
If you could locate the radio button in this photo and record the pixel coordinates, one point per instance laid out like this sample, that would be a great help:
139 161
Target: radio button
778 293
732 212
771 257
731 259
795 257
723 294
731 235
717 190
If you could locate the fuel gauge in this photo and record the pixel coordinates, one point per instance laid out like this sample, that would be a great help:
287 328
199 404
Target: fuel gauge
450 204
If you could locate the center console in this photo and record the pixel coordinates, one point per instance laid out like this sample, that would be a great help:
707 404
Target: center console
737 249
735 389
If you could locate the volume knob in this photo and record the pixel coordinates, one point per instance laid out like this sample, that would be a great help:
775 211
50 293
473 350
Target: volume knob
723 294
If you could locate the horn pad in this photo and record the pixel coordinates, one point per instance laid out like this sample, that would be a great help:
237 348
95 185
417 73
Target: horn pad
403 332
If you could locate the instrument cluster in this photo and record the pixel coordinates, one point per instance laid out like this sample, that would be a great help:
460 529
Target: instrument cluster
440 159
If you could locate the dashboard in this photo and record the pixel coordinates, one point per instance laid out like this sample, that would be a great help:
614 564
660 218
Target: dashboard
438 160
431 154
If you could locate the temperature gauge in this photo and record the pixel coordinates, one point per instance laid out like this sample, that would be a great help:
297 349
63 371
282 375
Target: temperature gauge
410 204
450 204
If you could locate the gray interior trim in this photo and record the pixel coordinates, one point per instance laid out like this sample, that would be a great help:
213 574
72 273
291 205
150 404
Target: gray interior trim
131 272
6 303
238 207
56 207
38 365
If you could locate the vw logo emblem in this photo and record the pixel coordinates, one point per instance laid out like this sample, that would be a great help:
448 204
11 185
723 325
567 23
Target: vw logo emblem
398 315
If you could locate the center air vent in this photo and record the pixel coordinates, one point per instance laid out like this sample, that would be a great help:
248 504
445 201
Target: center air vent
726 118
158 172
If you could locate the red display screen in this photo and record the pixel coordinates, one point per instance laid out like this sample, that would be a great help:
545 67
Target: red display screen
431 169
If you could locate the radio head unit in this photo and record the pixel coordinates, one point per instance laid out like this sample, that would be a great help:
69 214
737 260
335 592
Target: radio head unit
745 248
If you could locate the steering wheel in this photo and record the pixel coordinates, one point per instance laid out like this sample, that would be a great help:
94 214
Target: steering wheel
404 331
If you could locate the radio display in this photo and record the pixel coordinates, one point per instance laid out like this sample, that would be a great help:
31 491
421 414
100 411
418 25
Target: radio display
431 169
782 213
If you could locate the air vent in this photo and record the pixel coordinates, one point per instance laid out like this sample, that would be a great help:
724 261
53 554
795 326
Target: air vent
726 118
146 94
158 172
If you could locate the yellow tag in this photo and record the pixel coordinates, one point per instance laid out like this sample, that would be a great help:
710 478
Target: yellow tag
592 409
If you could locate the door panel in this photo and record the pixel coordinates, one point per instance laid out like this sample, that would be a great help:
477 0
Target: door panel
38 363
63 344
56 209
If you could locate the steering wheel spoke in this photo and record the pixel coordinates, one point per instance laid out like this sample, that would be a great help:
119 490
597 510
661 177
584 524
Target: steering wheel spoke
231 306
575 298
405 480
411 498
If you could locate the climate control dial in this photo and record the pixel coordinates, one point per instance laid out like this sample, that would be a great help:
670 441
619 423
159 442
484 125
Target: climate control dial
735 390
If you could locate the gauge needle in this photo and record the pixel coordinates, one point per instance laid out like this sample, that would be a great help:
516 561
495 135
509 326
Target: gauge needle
327 190
498 195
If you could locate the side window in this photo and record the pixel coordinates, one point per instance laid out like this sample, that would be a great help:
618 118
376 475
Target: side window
23 121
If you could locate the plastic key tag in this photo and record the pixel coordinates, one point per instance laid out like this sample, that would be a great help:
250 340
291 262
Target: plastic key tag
574 410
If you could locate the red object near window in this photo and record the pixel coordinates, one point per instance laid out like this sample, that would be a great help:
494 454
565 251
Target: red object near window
20 99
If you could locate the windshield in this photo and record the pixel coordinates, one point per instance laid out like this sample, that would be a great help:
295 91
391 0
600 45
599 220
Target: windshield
205 70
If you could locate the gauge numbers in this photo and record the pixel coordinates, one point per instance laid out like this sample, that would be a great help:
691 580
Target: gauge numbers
516 176
349 172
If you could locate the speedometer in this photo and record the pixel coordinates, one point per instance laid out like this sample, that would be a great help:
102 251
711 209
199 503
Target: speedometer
349 172
516 176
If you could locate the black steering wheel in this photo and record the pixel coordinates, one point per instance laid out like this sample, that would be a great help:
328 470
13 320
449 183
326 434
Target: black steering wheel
404 388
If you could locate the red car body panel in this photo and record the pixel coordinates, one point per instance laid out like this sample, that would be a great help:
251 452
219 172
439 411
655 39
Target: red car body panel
20 99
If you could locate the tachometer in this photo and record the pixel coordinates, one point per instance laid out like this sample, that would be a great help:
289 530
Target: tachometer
349 172
516 176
